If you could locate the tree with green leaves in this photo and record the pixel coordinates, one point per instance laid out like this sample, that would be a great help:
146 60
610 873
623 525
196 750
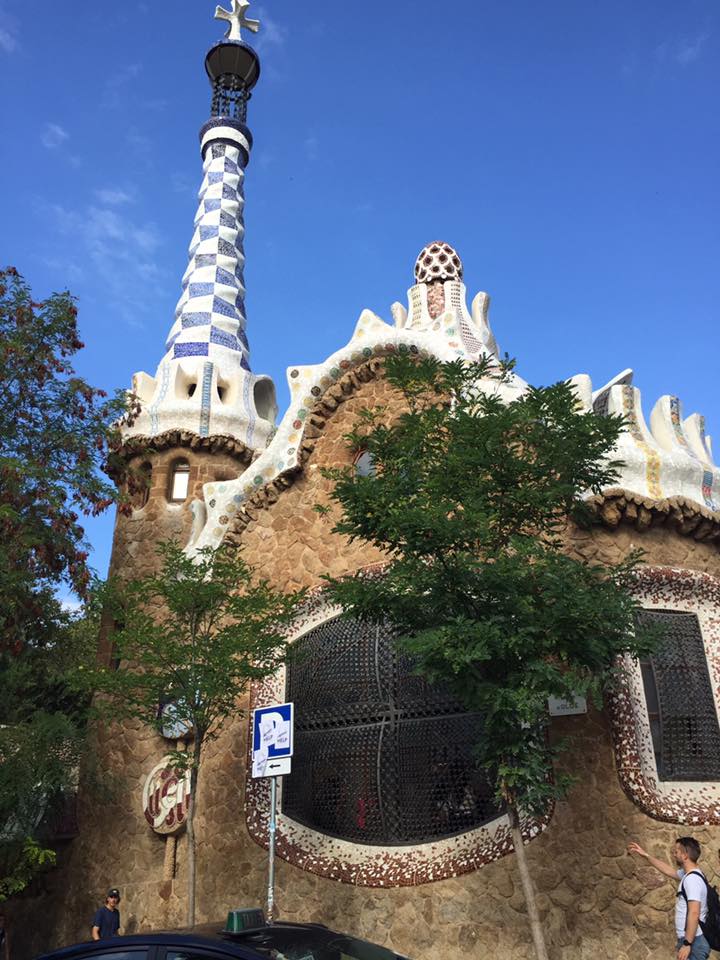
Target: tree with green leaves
469 498
56 433
193 635
42 741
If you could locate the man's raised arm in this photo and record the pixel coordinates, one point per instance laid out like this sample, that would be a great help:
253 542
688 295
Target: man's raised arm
660 865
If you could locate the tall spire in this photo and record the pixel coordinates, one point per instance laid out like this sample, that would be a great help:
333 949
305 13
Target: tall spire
204 383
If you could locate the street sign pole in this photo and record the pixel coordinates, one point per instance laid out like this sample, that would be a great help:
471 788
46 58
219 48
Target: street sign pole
272 750
271 852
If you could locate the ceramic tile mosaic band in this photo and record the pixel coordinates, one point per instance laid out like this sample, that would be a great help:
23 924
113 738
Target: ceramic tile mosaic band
211 311
708 479
651 456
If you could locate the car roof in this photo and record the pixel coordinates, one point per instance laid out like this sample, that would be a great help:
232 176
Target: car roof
210 936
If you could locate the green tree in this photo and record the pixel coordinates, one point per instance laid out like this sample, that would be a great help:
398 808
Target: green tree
56 432
193 635
469 498
42 739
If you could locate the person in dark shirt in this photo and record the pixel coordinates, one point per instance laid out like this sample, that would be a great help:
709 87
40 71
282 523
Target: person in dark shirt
4 938
106 922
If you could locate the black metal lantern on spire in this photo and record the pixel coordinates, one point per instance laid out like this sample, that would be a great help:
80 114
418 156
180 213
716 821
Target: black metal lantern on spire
233 68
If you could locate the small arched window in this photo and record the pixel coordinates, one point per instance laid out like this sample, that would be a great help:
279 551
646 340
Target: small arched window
179 481
364 464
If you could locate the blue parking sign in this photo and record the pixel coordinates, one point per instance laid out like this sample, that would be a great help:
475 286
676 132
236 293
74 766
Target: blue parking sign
272 743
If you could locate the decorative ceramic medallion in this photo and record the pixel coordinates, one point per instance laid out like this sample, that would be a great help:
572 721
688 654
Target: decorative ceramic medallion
166 798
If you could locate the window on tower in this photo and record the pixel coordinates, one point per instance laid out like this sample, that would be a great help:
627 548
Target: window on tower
179 481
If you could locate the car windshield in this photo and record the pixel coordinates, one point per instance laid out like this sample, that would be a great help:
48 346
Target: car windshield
320 944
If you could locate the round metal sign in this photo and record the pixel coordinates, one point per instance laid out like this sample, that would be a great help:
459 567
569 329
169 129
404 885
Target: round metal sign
173 728
166 798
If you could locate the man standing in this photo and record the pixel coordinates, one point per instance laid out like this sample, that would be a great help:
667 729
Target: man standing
106 922
4 939
691 897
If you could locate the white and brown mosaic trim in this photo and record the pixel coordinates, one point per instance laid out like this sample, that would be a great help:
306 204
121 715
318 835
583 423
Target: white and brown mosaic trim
361 864
324 407
667 589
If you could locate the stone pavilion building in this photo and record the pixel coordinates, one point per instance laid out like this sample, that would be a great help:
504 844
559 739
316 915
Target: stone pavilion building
383 830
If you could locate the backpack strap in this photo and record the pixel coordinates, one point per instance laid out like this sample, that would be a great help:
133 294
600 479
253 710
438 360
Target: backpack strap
681 891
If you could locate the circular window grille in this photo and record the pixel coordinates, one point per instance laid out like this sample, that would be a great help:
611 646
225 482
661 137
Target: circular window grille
380 756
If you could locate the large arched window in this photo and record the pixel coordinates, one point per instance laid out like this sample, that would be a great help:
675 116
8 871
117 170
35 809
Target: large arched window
380 757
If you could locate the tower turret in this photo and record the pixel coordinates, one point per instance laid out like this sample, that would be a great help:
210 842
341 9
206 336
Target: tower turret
204 416
204 384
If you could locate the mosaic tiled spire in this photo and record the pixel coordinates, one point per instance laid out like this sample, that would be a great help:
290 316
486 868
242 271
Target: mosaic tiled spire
204 383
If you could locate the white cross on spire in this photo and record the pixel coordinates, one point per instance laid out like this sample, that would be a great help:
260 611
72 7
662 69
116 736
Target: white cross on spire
237 19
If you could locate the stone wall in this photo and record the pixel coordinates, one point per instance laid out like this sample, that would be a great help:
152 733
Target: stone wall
136 534
596 902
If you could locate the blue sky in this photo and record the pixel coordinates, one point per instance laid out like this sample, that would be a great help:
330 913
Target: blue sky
569 151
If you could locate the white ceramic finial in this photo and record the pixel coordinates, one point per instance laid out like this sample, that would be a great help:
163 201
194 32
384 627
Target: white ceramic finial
237 19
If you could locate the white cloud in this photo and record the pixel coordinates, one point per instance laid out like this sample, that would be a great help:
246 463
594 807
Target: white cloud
140 145
8 32
689 49
7 40
272 34
179 183
114 248
53 136
311 147
684 51
117 83
113 198
71 605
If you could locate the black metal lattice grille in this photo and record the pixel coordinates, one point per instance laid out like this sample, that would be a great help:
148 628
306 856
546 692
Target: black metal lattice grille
380 756
679 695
229 97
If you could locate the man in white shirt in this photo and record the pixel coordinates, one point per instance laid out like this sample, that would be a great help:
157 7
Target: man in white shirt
691 897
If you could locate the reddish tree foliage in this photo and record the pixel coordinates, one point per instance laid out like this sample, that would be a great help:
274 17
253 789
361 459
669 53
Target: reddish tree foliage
56 432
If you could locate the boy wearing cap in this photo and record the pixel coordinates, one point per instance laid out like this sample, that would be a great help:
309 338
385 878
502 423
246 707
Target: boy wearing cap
106 922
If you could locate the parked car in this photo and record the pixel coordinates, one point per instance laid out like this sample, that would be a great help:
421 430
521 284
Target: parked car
245 936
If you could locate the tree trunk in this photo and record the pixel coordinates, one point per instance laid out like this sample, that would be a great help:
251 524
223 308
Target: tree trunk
528 888
194 770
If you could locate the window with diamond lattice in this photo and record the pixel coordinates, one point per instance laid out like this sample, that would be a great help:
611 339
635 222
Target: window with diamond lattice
680 702
380 756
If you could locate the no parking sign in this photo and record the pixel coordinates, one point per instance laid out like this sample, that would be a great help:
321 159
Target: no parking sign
272 743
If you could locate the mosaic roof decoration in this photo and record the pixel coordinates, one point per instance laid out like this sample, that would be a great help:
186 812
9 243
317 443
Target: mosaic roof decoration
438 261
671 459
